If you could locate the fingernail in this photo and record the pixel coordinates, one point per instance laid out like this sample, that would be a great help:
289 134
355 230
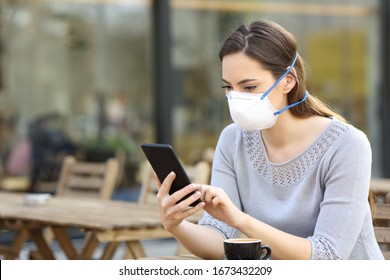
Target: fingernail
197 194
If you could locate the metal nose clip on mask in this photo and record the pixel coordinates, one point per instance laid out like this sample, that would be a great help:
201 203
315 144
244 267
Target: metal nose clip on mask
255 111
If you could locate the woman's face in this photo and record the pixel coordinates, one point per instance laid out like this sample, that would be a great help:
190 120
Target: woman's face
245 74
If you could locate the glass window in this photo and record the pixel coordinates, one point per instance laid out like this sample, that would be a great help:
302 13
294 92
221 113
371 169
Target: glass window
89 62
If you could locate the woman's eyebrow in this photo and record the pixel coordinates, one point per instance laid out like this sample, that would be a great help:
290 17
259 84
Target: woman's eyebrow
242 81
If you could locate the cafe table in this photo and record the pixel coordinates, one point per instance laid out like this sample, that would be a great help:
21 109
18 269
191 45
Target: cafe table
109 222
179 257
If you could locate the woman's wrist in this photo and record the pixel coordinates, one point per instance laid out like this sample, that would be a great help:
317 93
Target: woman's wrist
171 228
175 229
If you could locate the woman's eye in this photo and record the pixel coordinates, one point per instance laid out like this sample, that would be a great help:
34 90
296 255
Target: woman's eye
227 88
249 88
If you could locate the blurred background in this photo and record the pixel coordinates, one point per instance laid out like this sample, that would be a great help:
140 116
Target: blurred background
96 78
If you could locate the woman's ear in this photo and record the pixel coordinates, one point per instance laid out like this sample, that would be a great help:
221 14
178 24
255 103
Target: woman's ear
289 81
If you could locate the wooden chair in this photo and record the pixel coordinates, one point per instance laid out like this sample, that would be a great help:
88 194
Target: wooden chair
90 179
381 217
381 189
12 251
85 179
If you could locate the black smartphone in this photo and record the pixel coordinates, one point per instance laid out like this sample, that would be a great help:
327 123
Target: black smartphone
164 160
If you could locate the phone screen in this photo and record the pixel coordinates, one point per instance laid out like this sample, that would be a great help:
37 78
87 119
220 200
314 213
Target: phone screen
164 160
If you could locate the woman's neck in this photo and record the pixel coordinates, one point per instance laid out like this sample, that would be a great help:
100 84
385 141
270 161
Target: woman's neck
291 135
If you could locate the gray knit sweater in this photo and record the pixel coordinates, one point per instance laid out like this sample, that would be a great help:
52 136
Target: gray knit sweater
321 194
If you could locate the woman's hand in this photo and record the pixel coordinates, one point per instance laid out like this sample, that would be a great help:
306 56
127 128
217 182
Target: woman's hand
172 214
219 205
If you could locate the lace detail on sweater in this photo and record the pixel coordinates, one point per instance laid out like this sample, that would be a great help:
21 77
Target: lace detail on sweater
322 250
294 170
226 230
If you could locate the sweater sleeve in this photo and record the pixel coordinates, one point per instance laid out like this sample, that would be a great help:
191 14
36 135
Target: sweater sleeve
224 176
345 203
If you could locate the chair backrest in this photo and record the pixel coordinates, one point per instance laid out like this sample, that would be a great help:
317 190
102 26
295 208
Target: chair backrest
90 179
198 173
381 188
381 218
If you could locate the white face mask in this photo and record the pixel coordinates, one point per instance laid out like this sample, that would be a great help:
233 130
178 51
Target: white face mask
254 111
251 112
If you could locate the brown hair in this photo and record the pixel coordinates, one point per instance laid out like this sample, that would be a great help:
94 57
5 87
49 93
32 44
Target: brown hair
275 48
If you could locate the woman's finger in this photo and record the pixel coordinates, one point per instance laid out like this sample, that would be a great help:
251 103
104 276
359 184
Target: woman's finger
210 193
191 211
176 196
184 205
166 185
217 200
182 211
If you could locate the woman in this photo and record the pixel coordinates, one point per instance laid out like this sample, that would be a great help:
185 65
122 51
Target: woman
289 170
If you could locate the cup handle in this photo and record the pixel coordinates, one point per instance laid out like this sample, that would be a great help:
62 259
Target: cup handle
268 254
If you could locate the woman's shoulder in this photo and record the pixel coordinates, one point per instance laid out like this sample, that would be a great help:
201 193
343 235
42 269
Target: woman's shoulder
229 137
348 135
230 132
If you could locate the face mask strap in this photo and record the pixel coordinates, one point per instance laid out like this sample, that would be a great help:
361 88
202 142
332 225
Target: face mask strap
281 77
292 105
